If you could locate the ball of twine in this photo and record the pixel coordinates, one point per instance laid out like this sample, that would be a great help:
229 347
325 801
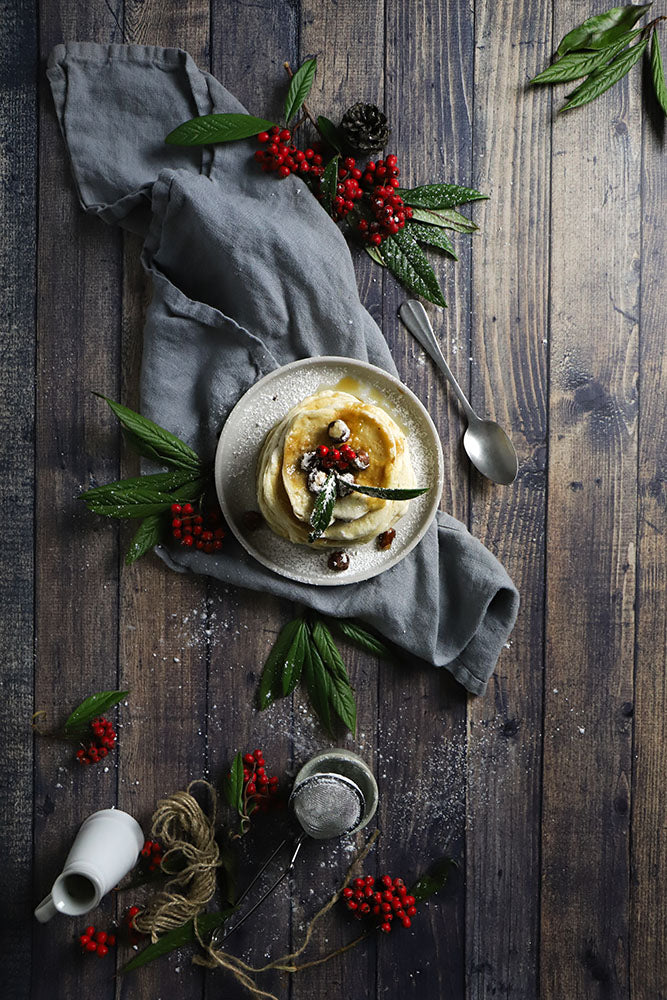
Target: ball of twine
191 855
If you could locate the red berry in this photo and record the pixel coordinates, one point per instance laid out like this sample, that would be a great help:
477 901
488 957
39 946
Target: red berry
248 758
188 508
263 137
101 937
132 912
91 946
111 940
285 135
284 171
376 239
385 928
348 893
322 451
406 922
176 508
83 940
102 950
411 910
409 901
351 905
187 541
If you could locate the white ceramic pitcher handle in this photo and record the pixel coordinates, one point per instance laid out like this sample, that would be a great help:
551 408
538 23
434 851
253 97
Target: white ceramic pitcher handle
45 910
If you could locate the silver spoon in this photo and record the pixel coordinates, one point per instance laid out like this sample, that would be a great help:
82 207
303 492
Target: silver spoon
486 443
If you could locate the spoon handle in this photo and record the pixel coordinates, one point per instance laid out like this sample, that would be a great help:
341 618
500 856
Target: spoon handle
416 319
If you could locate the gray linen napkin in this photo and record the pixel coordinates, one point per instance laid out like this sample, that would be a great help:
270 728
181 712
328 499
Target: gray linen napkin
248 274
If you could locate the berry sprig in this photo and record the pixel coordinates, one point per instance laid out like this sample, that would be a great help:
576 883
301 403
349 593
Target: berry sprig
104 740
259 790
134 936
196 530
97 942
381 905
152 854
279 155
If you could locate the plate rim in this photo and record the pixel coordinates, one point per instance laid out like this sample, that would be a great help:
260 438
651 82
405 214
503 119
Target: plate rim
323 360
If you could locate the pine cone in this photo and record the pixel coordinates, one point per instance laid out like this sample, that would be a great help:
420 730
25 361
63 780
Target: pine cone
365 128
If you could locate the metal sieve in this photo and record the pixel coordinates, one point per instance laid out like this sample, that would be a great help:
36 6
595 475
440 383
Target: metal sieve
334 794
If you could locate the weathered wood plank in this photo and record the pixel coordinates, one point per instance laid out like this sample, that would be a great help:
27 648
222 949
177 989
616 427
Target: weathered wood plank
422 712
648 915
78 322
509 383
18 177
591 540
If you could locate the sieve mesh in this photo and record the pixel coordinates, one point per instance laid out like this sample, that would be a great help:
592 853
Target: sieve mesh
328 805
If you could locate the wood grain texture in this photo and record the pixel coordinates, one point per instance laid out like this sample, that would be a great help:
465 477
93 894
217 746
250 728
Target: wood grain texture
591 542
18 180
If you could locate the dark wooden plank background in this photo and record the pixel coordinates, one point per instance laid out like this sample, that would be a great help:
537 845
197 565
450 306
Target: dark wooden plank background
550 788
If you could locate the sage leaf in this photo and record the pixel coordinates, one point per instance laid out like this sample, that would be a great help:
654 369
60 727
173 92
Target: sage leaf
329 183
149 534
439 195
233 785
294 661
144 495
365 640
577 64
164 446
320 517
89 709
340 691
318 686
299 88
434 880
385 494
330 133
270 685
445 218
430 235
657 72
599 82
602 29
375 254
206 924
407 262
217 128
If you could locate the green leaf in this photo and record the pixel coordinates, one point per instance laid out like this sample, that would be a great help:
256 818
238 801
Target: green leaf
329 183
434 880
330 133
384 494
206 924
430 235
318 686
217 128
299 88
365 640
599 82
320 517
165 447
144 495
376 255
407 262
577 64
271 682
294 661
341 695
233 785
96 704
601 30
149 534
439 195
445 218
657 73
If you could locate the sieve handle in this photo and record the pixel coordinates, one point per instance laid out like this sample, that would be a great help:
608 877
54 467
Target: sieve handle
217 938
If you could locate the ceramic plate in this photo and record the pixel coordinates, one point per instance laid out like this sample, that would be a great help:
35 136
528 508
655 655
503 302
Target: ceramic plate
267 402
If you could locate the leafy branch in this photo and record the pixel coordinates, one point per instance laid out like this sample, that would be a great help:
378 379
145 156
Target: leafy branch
322 511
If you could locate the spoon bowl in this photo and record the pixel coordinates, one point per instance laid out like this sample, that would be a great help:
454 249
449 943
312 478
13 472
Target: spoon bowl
491 451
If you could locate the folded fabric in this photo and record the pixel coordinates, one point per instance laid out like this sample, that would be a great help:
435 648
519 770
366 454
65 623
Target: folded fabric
248 274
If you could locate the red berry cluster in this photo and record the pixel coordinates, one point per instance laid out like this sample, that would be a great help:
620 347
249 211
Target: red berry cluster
199 531
259 790
388 209
282 157
348 189
341 458
134 936
104 739
151 852
97 941
382 905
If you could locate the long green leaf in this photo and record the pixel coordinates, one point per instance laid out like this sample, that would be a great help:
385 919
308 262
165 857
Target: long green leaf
365 640
329 183
233 785
217 128
330 133
430 235
341 693
141 501
294 662
299 88
150 533
206 924
606 78
385 494
375 254
320 516
602 29
271 682
577 64
439 195
155 485
657 72
94 705
169 448
318 686
407 262
446 218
